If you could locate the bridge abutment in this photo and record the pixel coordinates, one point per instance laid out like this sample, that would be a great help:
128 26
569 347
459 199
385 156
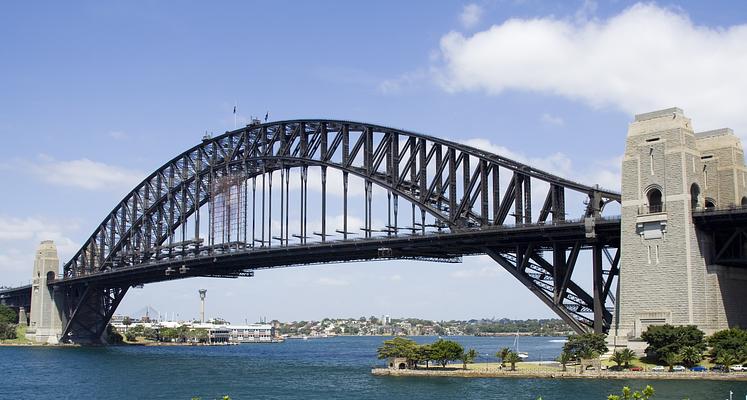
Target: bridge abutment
45 324
666 271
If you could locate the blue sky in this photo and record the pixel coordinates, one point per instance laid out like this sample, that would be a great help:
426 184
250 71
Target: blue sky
94 96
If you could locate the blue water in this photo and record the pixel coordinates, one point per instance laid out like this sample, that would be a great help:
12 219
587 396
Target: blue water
332 368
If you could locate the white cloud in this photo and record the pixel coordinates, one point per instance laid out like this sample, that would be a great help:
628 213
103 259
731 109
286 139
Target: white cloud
19 238
404 81
83 173
643 59
556 163
549 119
471 14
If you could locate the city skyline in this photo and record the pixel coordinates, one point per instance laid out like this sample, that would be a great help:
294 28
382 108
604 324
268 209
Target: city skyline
85 117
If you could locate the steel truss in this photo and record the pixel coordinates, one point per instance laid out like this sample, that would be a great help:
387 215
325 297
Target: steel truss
726 234
449 188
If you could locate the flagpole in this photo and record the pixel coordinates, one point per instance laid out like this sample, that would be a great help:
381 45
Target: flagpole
235 104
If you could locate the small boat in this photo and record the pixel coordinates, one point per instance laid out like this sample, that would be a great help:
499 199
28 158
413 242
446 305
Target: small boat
521 354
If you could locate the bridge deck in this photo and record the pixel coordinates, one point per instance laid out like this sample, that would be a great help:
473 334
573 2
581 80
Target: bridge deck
440 247
709 219
727 229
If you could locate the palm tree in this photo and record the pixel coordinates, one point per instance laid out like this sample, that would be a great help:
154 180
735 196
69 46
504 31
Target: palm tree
564 358
618 358
468 357
503 355
727 359
671 359
512 358
690 356
628 356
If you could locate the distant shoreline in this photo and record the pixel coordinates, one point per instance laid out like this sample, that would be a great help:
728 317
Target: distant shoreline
545 374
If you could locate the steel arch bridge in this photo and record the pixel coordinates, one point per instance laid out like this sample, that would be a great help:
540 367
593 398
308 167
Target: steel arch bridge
213 211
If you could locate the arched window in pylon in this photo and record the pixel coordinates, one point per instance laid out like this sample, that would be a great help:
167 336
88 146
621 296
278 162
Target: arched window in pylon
654 201
710 203
694 193
744 201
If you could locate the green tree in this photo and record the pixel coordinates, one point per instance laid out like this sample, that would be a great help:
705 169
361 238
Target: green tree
7 315
671 359
691 356
564 358
446 350
126 321
183 333
134 332
627 394
168 334
586 344
8 319
588 353
733 340
7 331
628 356
150 333
468 357
199 335
398 347
512 359
663 339
112 336
424 353
727 359
503 354
618 358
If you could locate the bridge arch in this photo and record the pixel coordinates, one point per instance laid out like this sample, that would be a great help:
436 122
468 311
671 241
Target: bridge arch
482 200
396 160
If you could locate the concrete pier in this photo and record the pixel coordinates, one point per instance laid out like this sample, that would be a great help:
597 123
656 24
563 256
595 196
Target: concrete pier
46 322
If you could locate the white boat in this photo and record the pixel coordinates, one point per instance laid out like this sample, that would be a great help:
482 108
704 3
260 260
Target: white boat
521 354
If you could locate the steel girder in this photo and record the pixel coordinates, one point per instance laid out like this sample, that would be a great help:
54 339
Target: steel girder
725 233
549 275
87 311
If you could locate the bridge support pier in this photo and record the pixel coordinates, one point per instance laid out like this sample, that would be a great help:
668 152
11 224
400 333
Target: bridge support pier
88 309
46 318
670 175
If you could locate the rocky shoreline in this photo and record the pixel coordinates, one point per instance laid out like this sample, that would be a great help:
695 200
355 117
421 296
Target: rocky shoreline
549 374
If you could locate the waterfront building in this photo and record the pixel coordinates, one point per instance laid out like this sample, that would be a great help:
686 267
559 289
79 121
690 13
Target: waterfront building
253 333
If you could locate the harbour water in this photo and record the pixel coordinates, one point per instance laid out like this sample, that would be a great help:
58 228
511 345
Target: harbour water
330 368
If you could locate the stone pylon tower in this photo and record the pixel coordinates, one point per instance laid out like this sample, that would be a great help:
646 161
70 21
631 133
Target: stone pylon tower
46 323
668 172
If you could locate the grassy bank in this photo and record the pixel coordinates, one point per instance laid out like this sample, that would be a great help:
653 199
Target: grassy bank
20 337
